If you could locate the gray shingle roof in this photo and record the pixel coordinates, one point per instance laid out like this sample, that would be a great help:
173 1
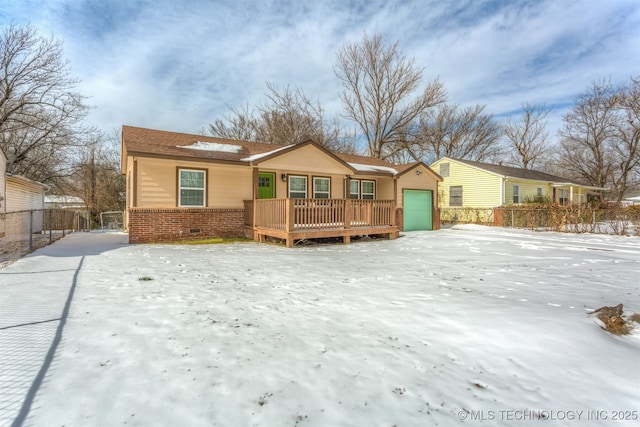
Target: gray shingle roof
508 171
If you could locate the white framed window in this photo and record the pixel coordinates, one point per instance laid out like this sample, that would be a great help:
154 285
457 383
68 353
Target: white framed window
444 169
321 188
297 187
539 192
368 190
354 189
192 187
516 194
455 195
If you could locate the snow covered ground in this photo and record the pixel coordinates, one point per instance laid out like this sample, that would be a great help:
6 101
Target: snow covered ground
463 326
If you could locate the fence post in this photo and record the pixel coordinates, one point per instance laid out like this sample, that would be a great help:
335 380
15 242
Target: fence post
50 227
30 230
513 224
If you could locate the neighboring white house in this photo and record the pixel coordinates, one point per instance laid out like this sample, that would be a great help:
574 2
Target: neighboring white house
3 205
18 193
23 194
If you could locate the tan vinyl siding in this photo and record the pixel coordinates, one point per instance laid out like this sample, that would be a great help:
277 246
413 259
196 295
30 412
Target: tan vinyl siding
306 160
480 189
384 187
412 181
227 185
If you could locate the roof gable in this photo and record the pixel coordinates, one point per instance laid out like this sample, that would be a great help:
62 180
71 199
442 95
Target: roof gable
303 157
513 172
403 169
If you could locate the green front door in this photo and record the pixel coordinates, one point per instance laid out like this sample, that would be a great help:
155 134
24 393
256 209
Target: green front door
417 210
266 184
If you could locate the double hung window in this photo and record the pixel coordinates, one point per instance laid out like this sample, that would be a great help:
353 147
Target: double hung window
321 188
297 187
563 198
455 195
362 189
368 190
192 187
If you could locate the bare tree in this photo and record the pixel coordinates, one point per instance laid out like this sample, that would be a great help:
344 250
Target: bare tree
379 84
464 133
528 136
290 116
96 174
626 141
585 151
38 105
239 124
287 116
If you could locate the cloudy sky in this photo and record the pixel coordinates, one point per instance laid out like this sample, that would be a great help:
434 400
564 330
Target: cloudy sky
178 65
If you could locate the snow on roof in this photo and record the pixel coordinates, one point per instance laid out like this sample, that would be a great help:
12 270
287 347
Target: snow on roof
268 153
213 146
371 168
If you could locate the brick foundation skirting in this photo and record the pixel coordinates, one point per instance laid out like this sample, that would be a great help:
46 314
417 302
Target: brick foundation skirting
169 225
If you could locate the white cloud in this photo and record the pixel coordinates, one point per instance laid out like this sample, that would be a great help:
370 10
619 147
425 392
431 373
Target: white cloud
178 66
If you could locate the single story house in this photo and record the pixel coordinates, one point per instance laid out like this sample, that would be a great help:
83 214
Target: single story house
182 186
477 185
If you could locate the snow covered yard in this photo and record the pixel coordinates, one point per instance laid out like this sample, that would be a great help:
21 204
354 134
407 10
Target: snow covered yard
464 326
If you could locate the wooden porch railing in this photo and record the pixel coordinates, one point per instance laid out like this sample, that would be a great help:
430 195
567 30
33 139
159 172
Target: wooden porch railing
304 214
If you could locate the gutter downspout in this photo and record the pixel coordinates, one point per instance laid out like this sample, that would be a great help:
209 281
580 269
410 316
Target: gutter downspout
503 190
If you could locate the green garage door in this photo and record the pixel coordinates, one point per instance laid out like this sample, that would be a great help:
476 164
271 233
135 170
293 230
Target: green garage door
418 209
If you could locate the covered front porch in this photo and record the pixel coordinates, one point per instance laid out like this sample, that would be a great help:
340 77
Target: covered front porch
294 219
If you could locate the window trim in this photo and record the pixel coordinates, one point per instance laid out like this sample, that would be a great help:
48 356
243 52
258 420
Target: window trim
351 193
328 192
560 198
180 187
516 194
362 193
306 186
451 187
447 167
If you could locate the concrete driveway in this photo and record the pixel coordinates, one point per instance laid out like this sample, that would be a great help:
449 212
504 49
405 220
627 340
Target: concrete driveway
36 293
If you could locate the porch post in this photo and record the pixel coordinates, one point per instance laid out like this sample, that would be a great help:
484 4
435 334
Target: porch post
289 212
347 213
395 206
254 205
571 194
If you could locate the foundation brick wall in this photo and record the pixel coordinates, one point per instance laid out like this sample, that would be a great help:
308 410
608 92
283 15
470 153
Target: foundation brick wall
168 225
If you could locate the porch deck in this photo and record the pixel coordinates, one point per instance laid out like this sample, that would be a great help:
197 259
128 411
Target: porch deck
297 219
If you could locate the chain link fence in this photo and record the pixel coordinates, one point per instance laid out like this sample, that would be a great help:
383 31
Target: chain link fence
466 216
572 219
23 232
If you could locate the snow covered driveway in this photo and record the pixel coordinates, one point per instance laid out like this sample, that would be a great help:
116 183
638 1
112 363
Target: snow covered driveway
464 326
